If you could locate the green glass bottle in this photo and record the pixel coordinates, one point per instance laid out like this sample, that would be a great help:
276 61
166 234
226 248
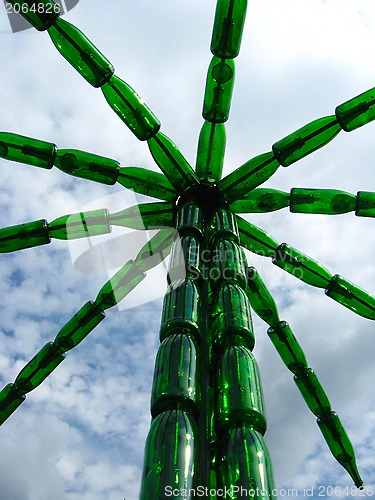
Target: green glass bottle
185 259
244 179
172 163
176 376
313 393
357 111
81 225
211 150
305 140
340 445
22 236
181 309
78 327
261 200
223 224
119 286
219 89
145 216
146 182
230 315
189 220
301 266
288 347
81 53
244 465
38 369
127 104
255 239
87 166
27 150
228 264
351 296
10 400
171 455
239 397
40 14
228 27
321 201
155 250
365 204
260 298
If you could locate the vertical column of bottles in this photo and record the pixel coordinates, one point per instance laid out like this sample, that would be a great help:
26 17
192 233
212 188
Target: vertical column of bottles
241 459
171 454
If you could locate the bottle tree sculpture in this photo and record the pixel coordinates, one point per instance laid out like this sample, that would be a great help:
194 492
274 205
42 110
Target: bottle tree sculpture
208 418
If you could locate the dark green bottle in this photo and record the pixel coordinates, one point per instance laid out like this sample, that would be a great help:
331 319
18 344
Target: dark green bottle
261 200
260 298
223 224
305 140
189 220
146 182
351 296
228 264
301 266
10 400
313 393
155 250
228 27
255 239
127 104
78 327
176 376
365 204
219 89
27 150
171 455
321 201
81 225
244 179
239 397
41 13
340 445
81 53
145 216
22 236
288 347
211 150
185 259
357 111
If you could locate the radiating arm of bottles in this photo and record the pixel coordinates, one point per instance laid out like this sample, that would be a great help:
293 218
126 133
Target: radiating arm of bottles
228 28
145 216
260 298
255 239
41 14
146 182
211 150
261 200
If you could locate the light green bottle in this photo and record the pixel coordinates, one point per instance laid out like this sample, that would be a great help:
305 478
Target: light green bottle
28 235
228 27
145 216
10 400
321 201
81 225
219 89
147 182
351 296
365 204
313 393
255 239
260 298
261 200
27 150
357 111
288 347
211 149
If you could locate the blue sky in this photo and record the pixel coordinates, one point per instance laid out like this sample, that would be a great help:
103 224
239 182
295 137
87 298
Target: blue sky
81 434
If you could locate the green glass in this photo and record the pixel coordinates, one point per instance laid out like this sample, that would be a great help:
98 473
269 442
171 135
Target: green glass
78 327
351 296
172 163
22 236
223 224
27 150
127 104
155 250
288 347
255 239
211 150
228 27
81 225
219 89
176 376
313 393
82 54
260 298
145 216
244 179
321 201
230 315
189 220
305 140
41 13
87 166
185 259
244 465
38 369
357 111
261 200
10 400
340 445
119 286
228 264
239 399
181 309
171 455
365 204
146 182
301 266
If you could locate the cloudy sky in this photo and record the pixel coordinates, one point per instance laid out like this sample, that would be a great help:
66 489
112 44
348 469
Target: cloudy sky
81 434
